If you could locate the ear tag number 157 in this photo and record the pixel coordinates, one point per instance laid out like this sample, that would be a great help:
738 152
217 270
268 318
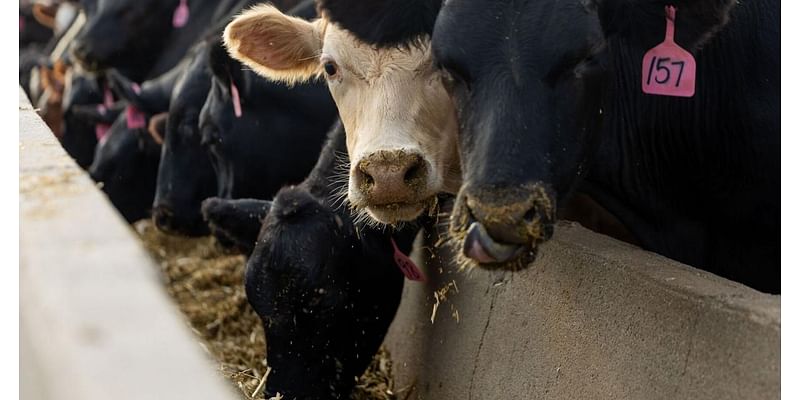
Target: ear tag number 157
668 69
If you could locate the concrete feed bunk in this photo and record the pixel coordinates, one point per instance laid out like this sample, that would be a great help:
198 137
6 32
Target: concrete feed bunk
593 318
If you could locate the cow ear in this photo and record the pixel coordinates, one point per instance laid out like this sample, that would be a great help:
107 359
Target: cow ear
696 21
149 97
235 222
274 45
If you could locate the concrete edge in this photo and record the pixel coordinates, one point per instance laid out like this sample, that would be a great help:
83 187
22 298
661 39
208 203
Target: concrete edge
95 319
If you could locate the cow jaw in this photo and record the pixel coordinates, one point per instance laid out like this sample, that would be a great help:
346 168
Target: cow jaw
392 103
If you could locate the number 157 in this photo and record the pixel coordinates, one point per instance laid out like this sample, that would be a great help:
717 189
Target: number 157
657 65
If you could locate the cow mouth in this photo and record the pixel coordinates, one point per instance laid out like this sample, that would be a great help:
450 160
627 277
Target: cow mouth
476 247
482 248
394 213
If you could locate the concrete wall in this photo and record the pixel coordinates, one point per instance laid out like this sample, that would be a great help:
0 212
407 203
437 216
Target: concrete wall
95 320
592 318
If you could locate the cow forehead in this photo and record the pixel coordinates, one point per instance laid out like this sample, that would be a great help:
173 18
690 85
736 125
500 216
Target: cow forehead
371 63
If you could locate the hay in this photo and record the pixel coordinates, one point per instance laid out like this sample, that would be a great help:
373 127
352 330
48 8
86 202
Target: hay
207 284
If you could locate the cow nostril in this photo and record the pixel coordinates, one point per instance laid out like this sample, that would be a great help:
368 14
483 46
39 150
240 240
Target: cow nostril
162 217
363 179
531 215
414 173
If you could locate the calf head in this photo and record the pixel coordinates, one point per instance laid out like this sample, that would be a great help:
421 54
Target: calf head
399 120
530 90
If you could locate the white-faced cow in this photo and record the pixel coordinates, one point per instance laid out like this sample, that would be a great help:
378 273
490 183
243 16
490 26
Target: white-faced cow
551 98
376 58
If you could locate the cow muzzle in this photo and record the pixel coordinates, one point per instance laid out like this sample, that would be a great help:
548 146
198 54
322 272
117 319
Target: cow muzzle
391 185
502 227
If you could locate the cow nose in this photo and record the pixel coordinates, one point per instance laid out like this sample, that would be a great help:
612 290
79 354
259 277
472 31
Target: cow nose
386 177
499 224
162 218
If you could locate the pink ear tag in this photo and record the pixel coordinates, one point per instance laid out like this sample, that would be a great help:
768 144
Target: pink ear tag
409 269
100 131
108 97
181 15
237 104
135 118
668 69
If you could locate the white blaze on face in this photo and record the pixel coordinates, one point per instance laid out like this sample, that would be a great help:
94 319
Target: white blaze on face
399 120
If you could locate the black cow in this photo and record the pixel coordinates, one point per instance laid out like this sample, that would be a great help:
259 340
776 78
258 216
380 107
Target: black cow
277 138
325 289
550 100
126 162
86 119
261 141
185 176
139 38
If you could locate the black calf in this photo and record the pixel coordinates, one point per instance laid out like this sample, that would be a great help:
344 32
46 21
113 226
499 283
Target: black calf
325 289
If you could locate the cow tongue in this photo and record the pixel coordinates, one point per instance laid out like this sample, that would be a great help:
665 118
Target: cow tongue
480 246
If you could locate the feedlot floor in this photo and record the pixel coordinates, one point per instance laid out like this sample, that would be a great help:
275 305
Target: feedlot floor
207 283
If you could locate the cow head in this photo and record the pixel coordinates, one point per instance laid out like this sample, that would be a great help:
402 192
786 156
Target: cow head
261 135
122 33
399 120
83 95
185 174
531 89
125 163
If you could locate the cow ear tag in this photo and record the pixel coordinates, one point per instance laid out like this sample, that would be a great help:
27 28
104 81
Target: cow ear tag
237 104
108 97
181 15
409 269
668 69
101 130
134 117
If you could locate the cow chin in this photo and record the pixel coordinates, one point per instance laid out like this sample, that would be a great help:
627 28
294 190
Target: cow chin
397 213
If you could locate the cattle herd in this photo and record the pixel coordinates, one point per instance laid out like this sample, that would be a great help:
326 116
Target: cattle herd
320 137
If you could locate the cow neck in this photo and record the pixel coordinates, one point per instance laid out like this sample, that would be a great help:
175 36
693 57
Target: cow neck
653 148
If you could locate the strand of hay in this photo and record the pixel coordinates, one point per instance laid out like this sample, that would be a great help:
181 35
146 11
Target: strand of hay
207 284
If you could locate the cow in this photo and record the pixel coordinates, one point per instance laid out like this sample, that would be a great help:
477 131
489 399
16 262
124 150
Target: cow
325 289
253 154
551 101
149 36
277 136
86 115
185 176
125 164
375 57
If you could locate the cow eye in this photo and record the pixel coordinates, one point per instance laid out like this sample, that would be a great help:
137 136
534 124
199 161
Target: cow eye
330 67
